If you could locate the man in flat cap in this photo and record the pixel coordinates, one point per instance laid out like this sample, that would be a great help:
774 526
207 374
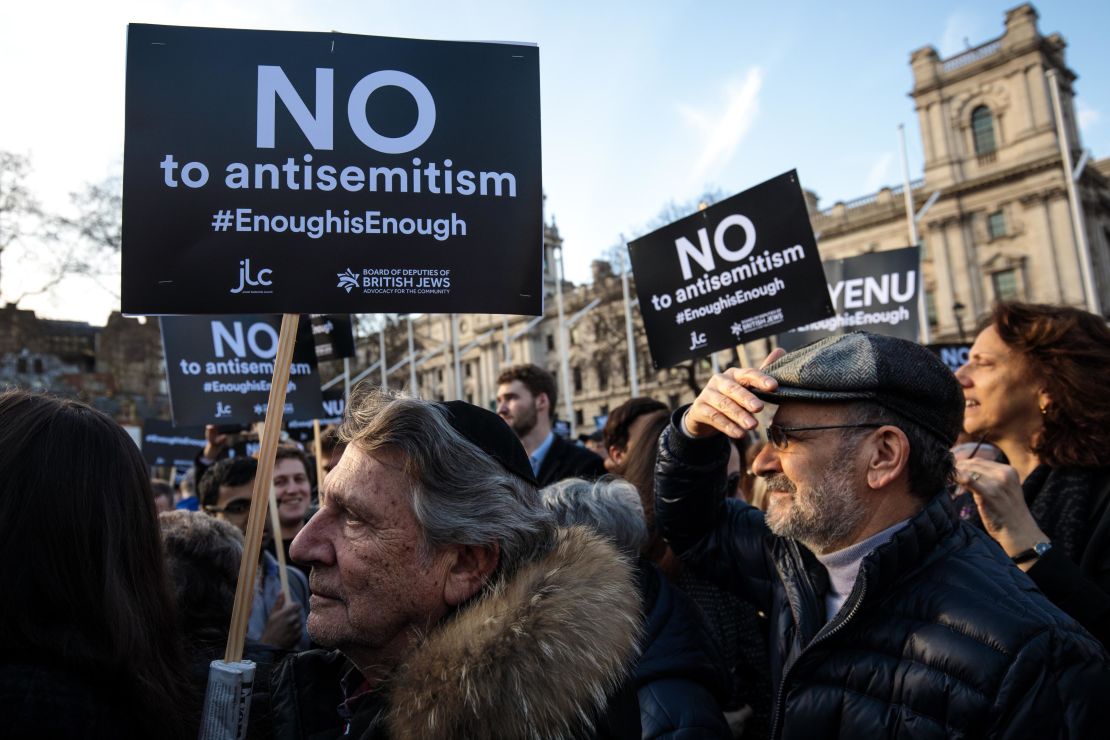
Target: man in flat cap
889 617
452 604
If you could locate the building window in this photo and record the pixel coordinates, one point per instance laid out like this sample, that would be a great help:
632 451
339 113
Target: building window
604 410
579 419
996 225
550 342
21 365
577 379
1005 285
931 308
603 374
982 130
469 369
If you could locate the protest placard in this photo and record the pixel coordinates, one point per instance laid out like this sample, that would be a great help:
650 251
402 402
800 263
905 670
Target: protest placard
324 172
331 412
954 355
219 369
875 292
166 445
741 269
333 336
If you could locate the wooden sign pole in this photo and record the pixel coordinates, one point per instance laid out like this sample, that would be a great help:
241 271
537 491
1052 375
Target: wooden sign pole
318 449
263 482
279 545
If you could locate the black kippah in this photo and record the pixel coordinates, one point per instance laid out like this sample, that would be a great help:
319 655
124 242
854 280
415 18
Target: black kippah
489 433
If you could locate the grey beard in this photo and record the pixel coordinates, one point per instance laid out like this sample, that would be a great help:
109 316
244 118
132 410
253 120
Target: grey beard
823 519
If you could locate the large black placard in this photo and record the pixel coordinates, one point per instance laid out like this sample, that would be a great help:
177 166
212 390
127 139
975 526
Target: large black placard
742 269
220 368
329 173
875 292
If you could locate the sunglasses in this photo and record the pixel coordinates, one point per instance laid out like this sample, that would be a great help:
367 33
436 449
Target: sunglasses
780 435
238 507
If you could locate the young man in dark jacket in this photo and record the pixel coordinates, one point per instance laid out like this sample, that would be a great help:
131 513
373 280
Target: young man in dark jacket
889 617
526 398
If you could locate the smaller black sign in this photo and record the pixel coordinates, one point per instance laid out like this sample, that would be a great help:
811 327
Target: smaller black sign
333 336
165 445
220 368
953 355
742 269
330 413
875 292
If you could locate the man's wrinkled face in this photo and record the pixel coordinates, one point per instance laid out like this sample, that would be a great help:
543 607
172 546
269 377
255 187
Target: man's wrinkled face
812 485
517 406
292 490
373 584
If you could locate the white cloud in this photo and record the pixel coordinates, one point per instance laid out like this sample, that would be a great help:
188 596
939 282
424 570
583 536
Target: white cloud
878 175
724 130
1087 117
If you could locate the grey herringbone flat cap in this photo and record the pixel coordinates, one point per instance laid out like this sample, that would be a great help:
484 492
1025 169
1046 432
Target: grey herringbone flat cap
899 375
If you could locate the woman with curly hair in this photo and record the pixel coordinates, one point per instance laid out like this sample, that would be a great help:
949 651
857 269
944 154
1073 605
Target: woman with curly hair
1037 386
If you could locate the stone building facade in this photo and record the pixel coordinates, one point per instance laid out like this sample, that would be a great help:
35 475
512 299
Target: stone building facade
117 368
999 228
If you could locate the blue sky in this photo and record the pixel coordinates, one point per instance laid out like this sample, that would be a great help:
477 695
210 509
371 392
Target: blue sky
642 102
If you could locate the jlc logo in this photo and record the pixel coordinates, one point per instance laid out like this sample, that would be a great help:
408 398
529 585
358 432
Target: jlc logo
698 339
245 278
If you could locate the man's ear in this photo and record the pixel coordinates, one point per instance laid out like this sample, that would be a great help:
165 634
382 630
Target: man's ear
889 454
472 567
543 403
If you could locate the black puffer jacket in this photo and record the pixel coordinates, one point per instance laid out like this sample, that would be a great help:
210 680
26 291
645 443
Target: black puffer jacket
941 637
681 678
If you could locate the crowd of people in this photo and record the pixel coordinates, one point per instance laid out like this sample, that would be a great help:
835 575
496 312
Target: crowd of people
796 554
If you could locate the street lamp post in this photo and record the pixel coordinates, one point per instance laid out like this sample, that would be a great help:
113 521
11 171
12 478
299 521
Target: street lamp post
958 312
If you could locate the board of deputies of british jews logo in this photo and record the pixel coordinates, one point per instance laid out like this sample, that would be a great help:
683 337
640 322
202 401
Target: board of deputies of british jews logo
396 280
252 282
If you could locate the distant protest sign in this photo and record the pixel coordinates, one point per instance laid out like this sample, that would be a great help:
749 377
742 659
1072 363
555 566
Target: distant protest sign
742 269
165 445
219 369
875 292
333 337
282 172
953 355
331 412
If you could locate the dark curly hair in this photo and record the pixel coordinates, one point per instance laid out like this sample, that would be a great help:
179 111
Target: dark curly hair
1068 352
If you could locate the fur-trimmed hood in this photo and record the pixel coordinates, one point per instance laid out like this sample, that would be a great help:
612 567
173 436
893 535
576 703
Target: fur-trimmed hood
537 655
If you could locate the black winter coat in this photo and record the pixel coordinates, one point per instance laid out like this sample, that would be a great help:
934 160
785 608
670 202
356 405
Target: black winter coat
1082 589
681 677
942 636
567 460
